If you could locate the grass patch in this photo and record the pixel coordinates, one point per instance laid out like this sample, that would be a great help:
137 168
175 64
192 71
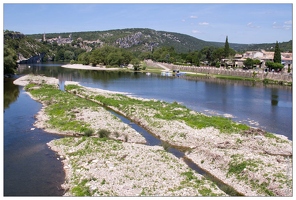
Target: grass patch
81 190
59 108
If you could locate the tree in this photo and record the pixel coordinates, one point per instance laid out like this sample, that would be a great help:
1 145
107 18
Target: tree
60 54
273 65
69 55
83 58
277 54
115 58
218 54
207 54
136 63
226 48
10 59
249 63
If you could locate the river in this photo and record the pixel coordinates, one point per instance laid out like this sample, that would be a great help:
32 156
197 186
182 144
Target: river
264 106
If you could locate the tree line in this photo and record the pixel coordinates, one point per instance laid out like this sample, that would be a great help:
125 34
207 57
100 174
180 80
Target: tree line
110 56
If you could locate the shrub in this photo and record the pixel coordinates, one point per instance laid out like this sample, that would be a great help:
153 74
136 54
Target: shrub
125 138
103 133
88 132
165 145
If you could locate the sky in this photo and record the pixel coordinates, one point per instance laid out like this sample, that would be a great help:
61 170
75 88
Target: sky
244 23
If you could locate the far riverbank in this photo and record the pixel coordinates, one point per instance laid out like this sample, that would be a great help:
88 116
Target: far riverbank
210 72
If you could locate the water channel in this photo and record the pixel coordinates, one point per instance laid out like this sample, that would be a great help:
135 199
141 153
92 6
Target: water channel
178 152
268 107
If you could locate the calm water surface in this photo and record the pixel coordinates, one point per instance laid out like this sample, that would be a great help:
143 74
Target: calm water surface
30 167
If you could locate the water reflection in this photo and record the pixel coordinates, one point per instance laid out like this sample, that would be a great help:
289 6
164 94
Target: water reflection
11 92
274 97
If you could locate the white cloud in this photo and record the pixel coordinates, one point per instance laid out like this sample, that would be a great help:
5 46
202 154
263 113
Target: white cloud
287 27
288 22
193 16
274 23
203 23
251 25
196 31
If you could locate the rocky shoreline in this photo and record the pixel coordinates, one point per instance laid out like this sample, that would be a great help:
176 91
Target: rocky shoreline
253 163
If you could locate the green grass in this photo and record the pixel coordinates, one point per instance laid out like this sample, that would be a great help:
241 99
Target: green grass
238 164
60 108
166 111
80 189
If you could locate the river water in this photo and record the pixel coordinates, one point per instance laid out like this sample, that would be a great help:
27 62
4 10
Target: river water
268 107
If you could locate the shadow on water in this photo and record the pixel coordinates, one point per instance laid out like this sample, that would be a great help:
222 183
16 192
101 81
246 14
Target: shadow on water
30 167
11 92
176 151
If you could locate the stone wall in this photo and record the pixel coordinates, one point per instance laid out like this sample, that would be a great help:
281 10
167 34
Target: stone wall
282 76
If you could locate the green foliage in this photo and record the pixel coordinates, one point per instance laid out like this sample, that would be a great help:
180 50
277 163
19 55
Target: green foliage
88 132
60 107
189 175
277 54
23 45
206 191
249 63
165 145
226 48
218 64
273 65
236 168
107 55
238 164
219 53
69 55
136 63
103 133
81 189
10 59
289 68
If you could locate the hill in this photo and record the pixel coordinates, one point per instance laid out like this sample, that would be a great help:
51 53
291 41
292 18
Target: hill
140 39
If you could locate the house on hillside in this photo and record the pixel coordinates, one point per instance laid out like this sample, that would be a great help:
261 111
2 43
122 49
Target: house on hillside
239 60
264 56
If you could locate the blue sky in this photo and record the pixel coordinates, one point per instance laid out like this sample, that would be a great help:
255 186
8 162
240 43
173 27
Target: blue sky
242 23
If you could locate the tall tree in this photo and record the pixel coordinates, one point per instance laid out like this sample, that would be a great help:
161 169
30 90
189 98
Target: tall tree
226 48
277 53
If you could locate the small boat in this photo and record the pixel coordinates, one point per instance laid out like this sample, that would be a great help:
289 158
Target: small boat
148 73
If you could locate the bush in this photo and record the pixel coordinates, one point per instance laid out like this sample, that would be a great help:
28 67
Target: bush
103 133
88 132
217 64
165 145
275 66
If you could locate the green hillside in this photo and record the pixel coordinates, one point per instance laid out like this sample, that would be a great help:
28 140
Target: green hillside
140 39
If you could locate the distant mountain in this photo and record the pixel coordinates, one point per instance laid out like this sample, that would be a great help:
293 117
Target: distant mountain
141 39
